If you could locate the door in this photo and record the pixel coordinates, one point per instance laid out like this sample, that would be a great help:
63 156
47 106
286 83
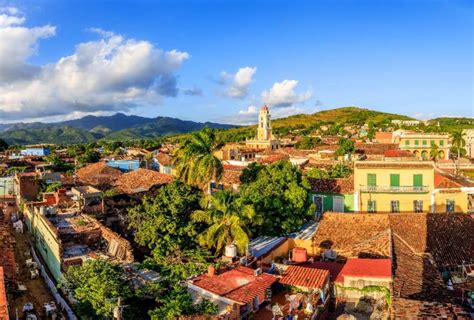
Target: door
338 204
318 203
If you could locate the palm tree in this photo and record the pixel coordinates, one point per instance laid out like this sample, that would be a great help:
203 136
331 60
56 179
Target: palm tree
227 218
458 142
434 152
195 161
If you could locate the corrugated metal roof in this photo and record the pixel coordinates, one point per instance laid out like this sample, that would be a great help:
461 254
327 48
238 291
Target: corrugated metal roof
306 232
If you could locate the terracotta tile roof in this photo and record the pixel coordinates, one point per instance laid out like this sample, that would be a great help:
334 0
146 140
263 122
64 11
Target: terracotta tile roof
341 185
268 159
449 180
395 153
422 245
290 151
333 268
231 175
448 238
418 290
239 284
374 148
366 268
141 180
416 309
3 298
303 276
164 159
98 174
354 235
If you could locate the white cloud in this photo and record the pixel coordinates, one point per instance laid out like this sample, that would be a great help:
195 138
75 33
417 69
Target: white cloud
250 110
241 81
282 94
113 73
250 115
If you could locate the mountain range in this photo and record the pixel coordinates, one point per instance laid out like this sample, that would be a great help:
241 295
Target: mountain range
89 128
121 127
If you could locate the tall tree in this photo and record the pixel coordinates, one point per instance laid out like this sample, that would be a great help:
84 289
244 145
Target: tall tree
164 222
195 161
345 146
280 197
96 285
227 218
458 142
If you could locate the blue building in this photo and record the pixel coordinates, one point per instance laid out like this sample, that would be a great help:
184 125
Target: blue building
124 165
35 152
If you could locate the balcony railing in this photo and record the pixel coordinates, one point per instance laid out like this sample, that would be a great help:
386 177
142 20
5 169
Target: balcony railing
400 189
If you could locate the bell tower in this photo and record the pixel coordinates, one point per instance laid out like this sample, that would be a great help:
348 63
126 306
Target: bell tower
264 131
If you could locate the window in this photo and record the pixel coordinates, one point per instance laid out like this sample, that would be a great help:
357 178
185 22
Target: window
450 205
394 206
417 181
441 143
407 142
425 142
371 206
318 202
418 206
416 143
371 181
394 180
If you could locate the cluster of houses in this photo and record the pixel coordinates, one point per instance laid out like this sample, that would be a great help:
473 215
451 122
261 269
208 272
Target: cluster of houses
353 260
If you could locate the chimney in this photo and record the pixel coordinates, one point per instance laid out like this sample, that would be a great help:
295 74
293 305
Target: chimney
211 271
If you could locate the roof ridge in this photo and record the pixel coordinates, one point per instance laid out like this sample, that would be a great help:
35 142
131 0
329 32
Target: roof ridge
377 236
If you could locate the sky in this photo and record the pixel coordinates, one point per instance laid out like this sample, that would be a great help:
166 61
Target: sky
221 60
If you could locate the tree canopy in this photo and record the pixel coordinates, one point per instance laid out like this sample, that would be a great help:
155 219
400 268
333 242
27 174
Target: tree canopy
227 219
164 222
195 161
279 195
96 285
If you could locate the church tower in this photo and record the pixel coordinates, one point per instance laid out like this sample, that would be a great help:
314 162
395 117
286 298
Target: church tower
264 131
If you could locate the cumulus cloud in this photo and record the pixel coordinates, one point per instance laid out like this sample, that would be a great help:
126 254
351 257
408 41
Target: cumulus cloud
194 91
283 95
112 73
239 82
249 115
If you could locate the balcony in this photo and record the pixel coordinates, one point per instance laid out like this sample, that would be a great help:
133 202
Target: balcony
389 189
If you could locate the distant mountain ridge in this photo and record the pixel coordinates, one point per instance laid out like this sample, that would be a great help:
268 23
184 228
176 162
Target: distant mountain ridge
89 128
121 127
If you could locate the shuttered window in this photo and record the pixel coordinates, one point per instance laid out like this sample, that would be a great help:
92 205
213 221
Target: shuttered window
371 179
395 206
394 180
418 180
371 206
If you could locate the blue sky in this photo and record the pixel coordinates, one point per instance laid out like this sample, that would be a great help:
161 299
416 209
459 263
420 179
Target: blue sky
220 60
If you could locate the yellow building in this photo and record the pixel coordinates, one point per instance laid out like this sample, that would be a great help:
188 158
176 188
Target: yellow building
386 186
265 138
420 144
452 194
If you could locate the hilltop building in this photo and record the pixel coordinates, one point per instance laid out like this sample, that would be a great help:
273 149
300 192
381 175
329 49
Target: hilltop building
420 144
265 138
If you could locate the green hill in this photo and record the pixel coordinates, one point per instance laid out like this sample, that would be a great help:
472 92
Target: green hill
57 135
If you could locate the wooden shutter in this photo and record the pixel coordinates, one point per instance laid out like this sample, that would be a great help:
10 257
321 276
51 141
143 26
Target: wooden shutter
371 179
418 180
394 180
